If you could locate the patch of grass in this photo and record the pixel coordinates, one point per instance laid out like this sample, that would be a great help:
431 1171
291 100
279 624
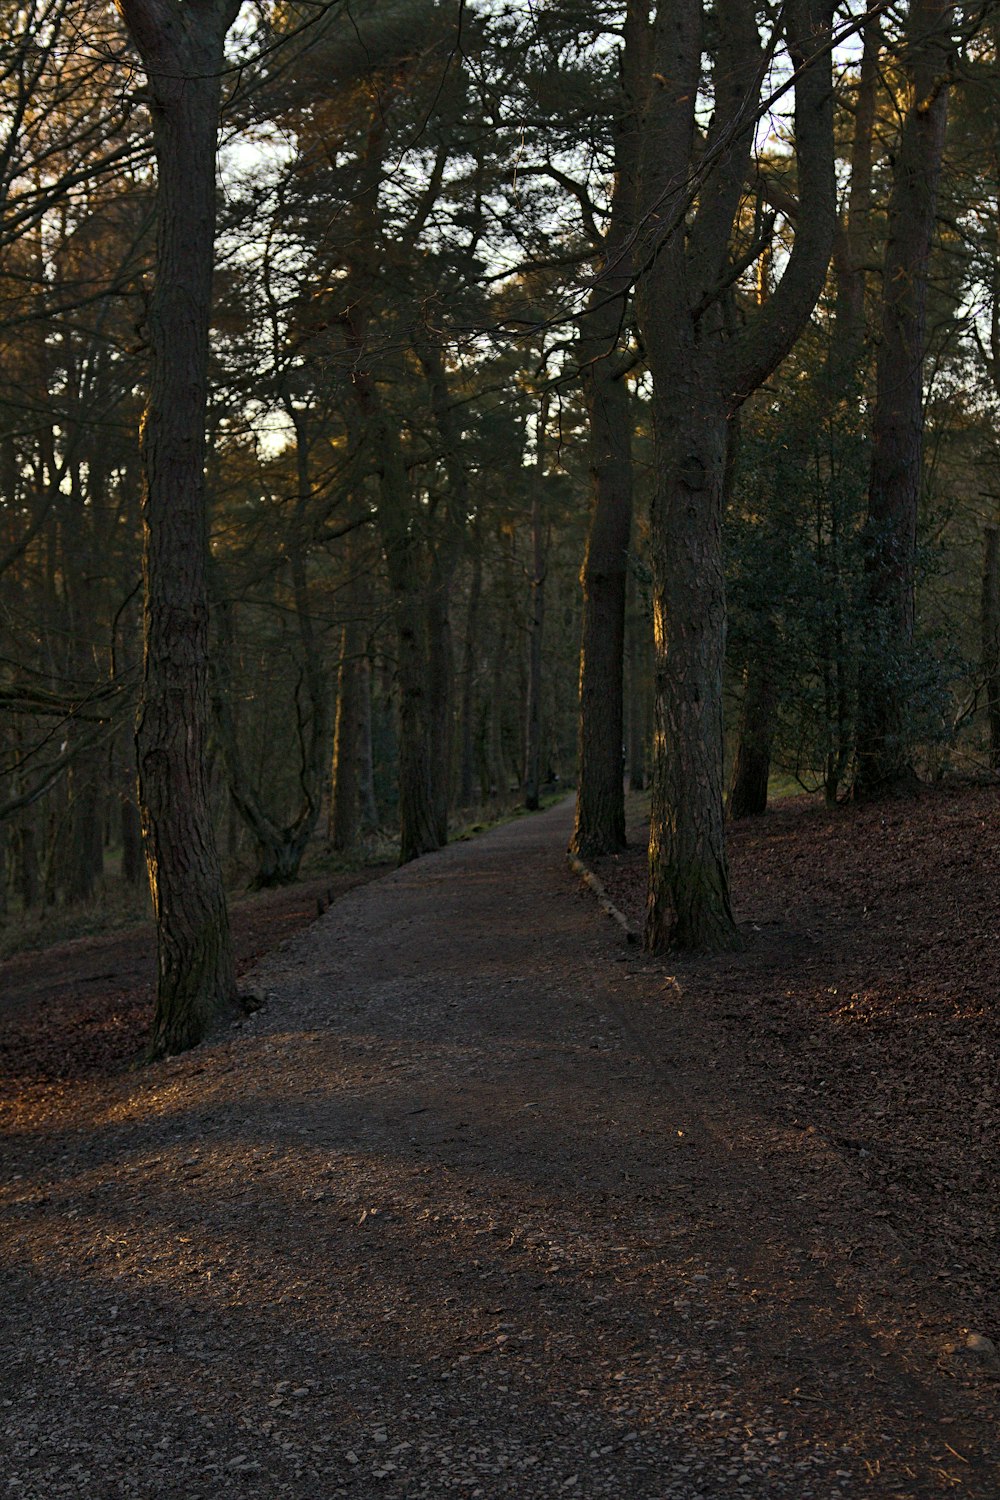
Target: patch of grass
479 820
780 786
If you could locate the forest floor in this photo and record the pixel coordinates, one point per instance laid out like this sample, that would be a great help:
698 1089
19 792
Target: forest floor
485 1202
85 1006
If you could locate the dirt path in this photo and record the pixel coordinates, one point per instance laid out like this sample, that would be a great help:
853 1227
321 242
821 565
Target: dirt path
86 1005
473 1207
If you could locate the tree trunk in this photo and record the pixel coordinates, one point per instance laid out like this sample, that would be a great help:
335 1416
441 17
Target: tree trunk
688 894
638 695
752 761
446 545
85 845
363 607
599 826
837 669
133 864
366 752
536 623
279 857
991 638
280 846
883 754
440 676
496 760
418 822
600 799
536 630
688 899
853 249
344 799
29 873
419 807
182 53
702 371
467 767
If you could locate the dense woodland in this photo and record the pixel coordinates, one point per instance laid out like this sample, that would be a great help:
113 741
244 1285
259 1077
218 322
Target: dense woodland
411 408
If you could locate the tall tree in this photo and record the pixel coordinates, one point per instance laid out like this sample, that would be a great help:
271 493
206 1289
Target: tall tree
884 751
181 44
703 367
536 616
599 827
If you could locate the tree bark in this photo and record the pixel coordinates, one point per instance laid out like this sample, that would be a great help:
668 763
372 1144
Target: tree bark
131 836
467 760
446 546
495 758
367 803
366 749
853 251
702 372
532 781
344 797
599 827
752 761
990 617
419 804
883 751
688 902
418 808
5 849
181 47
84 867
440 679
600 802
638 694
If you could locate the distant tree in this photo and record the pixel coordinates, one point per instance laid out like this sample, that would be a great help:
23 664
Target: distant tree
605 329
795 579
797 501
884 757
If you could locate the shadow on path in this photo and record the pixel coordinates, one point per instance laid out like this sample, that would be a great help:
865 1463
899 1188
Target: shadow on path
472 1207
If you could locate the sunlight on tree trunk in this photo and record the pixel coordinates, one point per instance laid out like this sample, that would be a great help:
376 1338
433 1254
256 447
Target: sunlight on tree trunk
702 370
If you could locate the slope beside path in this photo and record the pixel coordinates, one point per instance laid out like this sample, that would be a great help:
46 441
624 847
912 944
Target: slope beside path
474 1206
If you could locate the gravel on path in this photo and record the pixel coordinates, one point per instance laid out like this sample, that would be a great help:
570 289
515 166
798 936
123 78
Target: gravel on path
473 1207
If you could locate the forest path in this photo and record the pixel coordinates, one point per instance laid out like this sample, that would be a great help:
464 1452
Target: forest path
475 1206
